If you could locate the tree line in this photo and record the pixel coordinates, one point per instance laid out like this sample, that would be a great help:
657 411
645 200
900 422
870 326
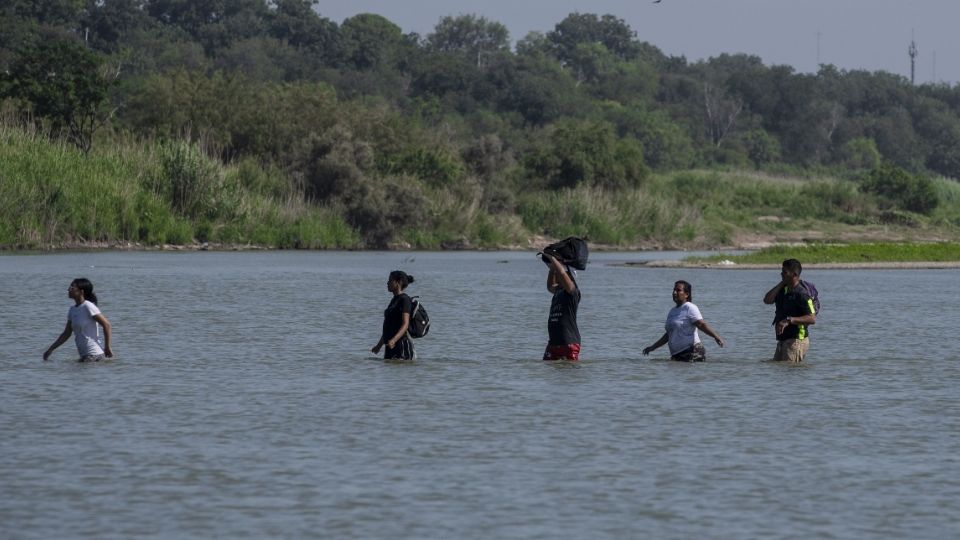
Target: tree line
376 122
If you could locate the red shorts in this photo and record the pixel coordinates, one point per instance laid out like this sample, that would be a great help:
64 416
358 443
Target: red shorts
562 352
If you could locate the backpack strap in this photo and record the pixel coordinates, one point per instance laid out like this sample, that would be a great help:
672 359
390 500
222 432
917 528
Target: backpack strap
415 300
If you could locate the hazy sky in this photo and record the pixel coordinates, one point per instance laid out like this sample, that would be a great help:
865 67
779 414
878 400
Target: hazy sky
853 34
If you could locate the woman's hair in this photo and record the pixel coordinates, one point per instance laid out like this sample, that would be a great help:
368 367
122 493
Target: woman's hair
687 288
402 278
86 287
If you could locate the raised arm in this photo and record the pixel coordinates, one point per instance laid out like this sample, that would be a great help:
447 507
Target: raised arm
771 295
559 277
552 282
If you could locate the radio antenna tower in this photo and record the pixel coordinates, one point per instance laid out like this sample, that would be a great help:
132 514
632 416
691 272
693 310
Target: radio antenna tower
913 52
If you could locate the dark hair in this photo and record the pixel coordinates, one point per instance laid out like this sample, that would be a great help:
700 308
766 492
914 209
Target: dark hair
86 287
402 278
687 288
793 266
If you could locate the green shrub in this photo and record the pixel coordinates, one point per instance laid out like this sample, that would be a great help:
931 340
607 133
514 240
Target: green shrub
588 153
860 153
433 166
190 180
900 189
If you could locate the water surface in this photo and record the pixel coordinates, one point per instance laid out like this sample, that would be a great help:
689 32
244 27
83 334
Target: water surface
244 403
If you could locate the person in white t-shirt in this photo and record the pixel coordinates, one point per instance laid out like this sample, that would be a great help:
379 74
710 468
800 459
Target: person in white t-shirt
83 321
682 324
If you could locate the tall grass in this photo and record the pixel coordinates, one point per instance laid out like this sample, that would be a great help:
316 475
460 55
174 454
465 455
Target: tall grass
51 194
173 193
709 208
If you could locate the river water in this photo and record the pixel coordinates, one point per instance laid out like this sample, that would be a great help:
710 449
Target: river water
243 402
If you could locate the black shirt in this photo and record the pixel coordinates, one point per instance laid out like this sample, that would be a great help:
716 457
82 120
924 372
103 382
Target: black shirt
393 315
793 303
562 324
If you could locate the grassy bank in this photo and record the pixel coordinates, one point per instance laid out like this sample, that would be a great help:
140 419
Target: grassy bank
155 193
714 209
51 195
879 252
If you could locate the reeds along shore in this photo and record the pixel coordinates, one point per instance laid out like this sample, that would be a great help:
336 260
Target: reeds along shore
156 193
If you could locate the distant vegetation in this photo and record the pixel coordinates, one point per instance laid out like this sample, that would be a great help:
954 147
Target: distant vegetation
173 121
878 252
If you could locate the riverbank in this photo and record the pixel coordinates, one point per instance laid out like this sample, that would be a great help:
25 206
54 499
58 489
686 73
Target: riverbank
912 265
772 248
865 255
172 196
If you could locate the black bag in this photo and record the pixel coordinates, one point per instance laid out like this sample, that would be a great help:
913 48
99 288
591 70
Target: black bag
419 320
570 251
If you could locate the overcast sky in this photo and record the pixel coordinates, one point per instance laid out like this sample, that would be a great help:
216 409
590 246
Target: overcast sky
853 34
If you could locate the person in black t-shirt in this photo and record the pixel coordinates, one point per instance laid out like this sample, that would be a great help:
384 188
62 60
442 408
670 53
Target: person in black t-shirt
396 320
795 313
564 342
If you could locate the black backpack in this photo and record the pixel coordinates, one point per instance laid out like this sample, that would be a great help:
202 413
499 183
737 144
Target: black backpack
419 320
571 251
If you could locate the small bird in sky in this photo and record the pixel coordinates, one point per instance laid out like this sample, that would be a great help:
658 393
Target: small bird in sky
657 1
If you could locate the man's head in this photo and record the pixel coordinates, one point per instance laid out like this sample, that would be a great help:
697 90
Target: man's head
791 270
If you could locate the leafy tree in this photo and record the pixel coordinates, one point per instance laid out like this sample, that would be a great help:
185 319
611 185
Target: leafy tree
63 83
860 153
536 88
25 23
591 62
895 136
626 82
578 28
761 147
370 41
721 111
261 59
745 76
534 44
158 50
901 189
234 114
52 13
214 23
440 74
666 145
109 21
590 153
190 15
296 23
939 127
491 162
471 35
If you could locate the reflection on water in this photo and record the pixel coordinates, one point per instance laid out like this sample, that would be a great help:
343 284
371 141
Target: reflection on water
244 402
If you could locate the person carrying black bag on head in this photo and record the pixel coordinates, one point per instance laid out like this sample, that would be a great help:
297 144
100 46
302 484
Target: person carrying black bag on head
564 334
